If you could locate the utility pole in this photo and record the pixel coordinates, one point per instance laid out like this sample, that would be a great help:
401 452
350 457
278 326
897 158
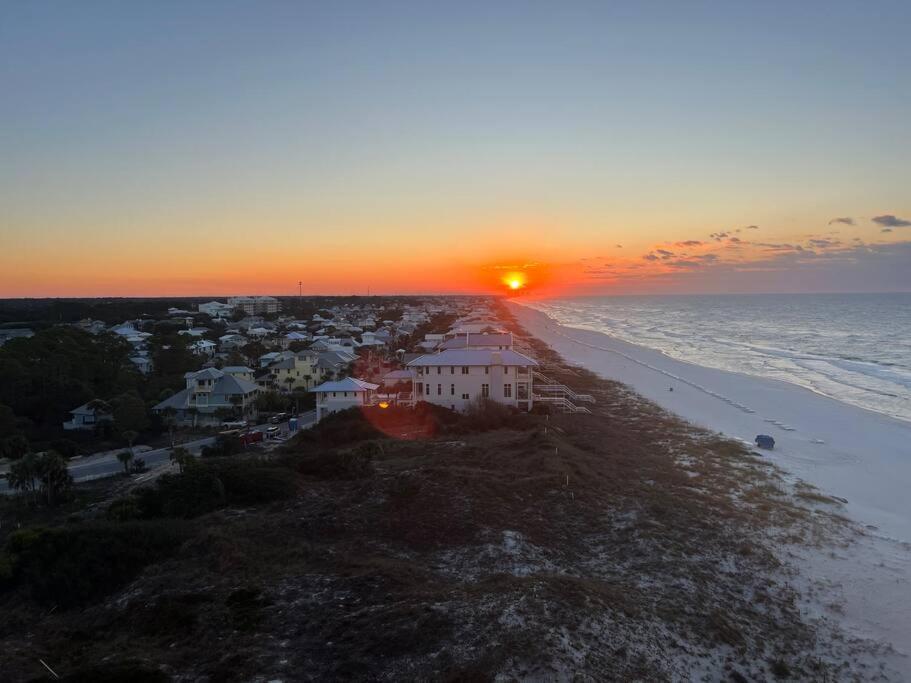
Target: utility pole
299 294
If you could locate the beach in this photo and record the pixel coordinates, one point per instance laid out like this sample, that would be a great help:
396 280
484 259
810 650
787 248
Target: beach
847 452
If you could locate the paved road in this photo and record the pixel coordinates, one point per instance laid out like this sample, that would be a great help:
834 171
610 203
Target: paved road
95 467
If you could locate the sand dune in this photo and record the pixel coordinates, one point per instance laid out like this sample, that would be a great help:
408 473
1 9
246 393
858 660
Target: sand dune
847 452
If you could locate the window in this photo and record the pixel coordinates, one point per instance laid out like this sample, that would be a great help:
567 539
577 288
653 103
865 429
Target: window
452 389
464 369
486 369
452 369
420 389
439 369
485 390
465 397
507 391
333 394
439 389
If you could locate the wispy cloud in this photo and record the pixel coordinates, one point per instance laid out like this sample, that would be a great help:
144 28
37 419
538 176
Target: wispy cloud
844 220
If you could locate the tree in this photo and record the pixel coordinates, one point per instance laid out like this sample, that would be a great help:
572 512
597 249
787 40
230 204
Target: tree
129 436
54 477
130 412
253 350
45 474
181 456
14 447
23 474
125 458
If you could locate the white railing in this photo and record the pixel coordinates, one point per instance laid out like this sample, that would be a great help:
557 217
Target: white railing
550 386
562 402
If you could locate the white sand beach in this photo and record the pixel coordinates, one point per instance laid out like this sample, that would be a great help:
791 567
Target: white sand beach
847 452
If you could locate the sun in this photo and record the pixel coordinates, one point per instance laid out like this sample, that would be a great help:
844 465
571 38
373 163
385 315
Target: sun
514 280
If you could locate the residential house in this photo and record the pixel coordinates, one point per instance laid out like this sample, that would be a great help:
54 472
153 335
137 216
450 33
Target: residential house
89 415
210 396
143 363
334 396
454 378
216 309
203 347
227 342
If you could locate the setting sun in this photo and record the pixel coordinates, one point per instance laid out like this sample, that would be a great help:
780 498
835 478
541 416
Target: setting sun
514 280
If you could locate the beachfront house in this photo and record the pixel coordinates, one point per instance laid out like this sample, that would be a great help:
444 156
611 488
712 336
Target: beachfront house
342 394
454 378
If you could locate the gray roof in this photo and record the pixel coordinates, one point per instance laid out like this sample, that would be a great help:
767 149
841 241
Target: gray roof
473 357
347 384
478 339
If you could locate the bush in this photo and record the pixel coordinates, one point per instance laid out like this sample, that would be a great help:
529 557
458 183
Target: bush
72 566
66 447
223 446
353 464
248 483
204 487
189 494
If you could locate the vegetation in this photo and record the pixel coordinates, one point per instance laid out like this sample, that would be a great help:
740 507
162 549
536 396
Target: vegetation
74 565
60 368
42 478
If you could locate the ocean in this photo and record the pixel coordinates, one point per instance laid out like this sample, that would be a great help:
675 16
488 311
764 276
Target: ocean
854 348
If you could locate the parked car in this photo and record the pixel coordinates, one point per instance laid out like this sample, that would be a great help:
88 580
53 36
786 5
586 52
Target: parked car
234 424
251 437
279 418
272 432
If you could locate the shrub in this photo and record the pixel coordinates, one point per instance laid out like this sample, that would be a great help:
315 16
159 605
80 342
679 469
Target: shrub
74 565
223 446
66 447
352 464
247 483
194 492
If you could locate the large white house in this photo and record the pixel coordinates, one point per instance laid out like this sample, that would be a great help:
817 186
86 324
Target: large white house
454 378
217 309
210 395
342 394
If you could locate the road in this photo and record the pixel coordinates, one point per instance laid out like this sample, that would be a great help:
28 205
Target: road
96 467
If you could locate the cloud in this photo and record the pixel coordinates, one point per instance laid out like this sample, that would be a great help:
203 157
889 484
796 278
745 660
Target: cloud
736 240
752 227
619 246
650 257
845 220
689 243
824 243
664 253
886 230
718 236
685 263
890 221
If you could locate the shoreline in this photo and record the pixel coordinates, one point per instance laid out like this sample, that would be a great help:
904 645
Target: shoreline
864 459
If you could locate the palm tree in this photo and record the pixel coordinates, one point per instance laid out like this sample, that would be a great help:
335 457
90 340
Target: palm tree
181 456
125 458
129 436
